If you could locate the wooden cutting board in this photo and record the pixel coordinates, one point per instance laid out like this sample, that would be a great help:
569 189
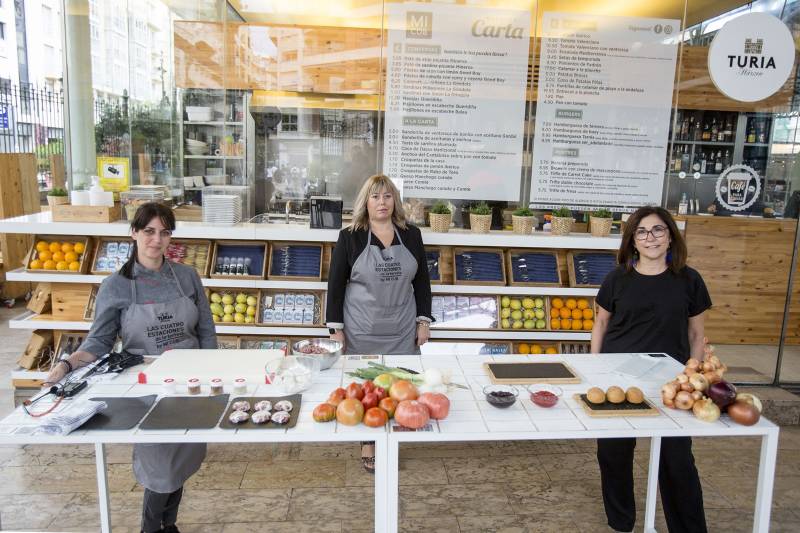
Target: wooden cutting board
227 365
527 373
610 410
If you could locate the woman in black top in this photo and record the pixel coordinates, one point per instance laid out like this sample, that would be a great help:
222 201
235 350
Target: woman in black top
379 293
652 302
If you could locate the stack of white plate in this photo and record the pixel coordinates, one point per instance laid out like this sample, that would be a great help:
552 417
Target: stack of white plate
199 113
196 147
222 209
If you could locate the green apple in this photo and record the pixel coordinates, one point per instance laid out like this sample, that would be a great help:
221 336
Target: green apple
528 324
540 324
227 318
250 311
238 318
227 299
539 313
384 381
517 324
215 318
252 300
528 314
241 298
216 298
505 323
216 309
240 307
538 302
505 312
516 304
249 319
516 315
527 303
228 309
505 301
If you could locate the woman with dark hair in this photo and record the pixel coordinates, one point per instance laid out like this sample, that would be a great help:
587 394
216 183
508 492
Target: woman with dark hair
652 302
152 305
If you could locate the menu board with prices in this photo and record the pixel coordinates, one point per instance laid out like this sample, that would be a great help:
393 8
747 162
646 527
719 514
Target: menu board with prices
455 100
603 109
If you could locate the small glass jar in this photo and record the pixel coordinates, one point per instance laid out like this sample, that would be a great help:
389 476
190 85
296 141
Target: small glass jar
216 387
193 386
240 386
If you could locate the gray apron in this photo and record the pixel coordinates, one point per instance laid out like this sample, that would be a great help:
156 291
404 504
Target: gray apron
152 329
380 312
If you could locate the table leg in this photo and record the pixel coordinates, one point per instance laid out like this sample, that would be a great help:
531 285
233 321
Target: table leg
102 488
766 479
381 467
652 485
392 517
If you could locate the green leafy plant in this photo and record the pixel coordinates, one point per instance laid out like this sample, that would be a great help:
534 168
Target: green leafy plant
602 213
523 212
441 208
481 208
562 212
55 191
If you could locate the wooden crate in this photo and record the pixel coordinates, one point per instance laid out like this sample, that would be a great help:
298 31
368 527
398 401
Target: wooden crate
446 265
32 357
40 299
440 263
68 340
100 253
522 309
279 245
272 300
571 265
228 342
543 344
499 251
256 271
202 248
455 299
327 257
69 300
510 268
234 292
575 347
551 309
19 195
86 213
88 312
84 259
189 213
257 342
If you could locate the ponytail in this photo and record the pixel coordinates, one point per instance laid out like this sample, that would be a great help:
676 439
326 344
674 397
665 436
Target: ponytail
127 268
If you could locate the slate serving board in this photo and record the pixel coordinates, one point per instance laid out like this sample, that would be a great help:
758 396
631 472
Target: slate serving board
526 373
186 412
294 414
121 413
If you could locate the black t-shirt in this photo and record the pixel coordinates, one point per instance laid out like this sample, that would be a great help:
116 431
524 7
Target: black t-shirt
651 313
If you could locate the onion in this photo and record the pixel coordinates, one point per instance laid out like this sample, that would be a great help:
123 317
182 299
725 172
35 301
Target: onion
751 399
668 391
722 393
682 378
694 364
697 395
690 372
699 382
743 413
411 414
684 400
687 387
706 410
438 405
712 377
669 402
714 360
708 367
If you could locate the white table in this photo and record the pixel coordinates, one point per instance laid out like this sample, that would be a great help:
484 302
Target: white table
472 418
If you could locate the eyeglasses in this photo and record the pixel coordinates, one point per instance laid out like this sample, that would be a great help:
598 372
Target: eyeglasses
656 231
151 232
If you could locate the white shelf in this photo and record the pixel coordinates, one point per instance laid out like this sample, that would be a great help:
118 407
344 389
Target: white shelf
42 223
213 157
494 289
506 335
211 123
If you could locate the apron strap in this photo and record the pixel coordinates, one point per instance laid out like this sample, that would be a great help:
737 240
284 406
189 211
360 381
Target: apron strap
180 288
369 236
133 291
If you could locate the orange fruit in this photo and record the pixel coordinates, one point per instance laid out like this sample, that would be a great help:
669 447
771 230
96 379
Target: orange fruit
551 350
555 323
49 265
41 246
557 303
69 257
66 247
583 303
74 266
62 265
564 312
54 247
78 247
587 314
523 348
35 264
536 349
577 325
566 323
571 303
577 314
58 256
45 255
588 324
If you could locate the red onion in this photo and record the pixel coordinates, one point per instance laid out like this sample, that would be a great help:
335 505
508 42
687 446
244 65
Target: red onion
722 393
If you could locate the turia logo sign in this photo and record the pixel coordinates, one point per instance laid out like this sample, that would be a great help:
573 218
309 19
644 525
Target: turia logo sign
755 67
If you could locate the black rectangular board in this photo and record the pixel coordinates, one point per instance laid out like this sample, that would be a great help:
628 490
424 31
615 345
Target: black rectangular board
294 414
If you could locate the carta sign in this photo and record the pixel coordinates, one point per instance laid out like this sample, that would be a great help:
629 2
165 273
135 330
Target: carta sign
481 28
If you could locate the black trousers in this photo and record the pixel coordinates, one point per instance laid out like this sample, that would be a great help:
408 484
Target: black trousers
678 481
160 509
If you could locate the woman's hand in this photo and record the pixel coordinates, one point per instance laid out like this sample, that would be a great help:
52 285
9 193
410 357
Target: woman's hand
75 361
56 374
338 336
423 333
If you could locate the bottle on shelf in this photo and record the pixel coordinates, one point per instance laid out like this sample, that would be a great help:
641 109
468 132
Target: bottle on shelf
218 268
727 133
226 265
247 263
696 163
711 164
685 159
706 132
762 132
714 130
718 164
726 159
240 266
683 205
751 134
703 163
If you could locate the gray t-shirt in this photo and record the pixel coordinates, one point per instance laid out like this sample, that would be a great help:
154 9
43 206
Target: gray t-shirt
114 298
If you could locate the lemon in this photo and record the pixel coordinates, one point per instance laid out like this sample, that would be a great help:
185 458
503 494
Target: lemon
252 300
249 319
528 303
516 304
228 309
528 314
216 298
238 318
505 323
505 301
227 318
539 303
240 308
251 311
541 324
517 324
241 298
539 313
516 315
227 299
528 324
215 318
505 312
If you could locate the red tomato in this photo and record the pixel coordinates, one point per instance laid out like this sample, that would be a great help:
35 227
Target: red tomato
389 405
438 404
350 412
412 414
369 400
381 393
375 417
368 386
324 412
337 396
403 390
354 390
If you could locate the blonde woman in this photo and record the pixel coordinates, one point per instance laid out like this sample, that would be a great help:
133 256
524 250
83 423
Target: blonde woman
379 293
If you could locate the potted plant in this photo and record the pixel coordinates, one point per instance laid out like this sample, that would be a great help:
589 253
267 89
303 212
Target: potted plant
561 221
600 222
480 218
57 196
523 221
440 217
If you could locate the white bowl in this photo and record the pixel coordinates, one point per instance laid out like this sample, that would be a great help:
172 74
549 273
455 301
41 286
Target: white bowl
293 373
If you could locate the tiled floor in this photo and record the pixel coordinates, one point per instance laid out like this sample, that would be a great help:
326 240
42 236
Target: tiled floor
504 486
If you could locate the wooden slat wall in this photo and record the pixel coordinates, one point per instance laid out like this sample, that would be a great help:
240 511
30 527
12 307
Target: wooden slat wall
745 264
19 195
344 60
